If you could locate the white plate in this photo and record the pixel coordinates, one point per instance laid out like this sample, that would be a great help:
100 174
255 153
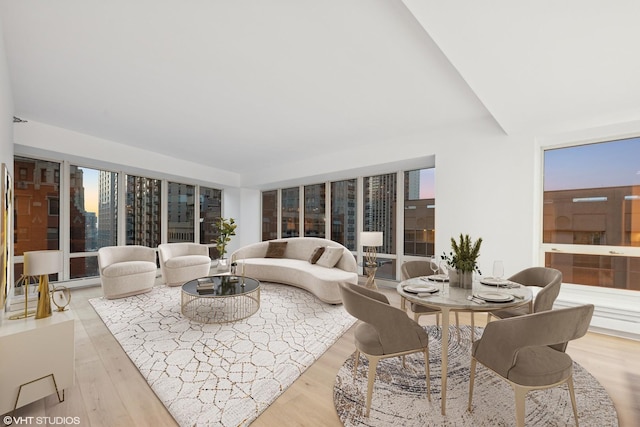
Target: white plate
494 296
494 282
419 289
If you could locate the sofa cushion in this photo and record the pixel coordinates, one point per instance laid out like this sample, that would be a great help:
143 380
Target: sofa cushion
128 268
330 257
316 254
187 261
276 249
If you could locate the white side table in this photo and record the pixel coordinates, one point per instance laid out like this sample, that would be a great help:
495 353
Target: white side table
37 359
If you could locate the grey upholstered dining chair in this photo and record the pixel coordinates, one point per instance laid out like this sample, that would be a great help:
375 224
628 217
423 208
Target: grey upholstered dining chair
529 352
418 268
385 331
549 279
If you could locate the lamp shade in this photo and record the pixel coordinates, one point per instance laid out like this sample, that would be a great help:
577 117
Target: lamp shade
371 238
39 263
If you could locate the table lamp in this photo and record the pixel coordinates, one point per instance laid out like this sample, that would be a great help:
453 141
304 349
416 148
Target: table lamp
370 240
42 263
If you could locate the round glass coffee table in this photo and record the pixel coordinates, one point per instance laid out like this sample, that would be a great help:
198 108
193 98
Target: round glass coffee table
220 299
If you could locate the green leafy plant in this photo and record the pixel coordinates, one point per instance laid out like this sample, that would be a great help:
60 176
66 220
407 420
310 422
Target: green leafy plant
464 254
226 228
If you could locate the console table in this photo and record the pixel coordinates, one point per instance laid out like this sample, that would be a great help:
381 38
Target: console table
37 359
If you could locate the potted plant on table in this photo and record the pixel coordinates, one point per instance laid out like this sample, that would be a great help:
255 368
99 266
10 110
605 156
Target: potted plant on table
462 260
225 228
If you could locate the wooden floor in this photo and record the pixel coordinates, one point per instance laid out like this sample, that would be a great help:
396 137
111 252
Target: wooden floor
109 390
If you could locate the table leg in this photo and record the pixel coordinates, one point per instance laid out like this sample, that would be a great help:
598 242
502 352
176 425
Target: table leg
444 358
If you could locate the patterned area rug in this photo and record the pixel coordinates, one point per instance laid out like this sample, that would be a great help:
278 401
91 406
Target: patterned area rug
227 374
400 398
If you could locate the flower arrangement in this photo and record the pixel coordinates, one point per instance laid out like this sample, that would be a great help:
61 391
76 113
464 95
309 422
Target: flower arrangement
464 254
226 228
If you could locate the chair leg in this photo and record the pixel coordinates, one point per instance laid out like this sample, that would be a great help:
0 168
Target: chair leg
573 399
521 393
457 325
404 364
427 372
373 363
438 320
355 364
472 377
403 303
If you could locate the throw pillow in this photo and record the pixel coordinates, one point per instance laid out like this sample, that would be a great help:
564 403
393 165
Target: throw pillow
276 250
316 254
330 257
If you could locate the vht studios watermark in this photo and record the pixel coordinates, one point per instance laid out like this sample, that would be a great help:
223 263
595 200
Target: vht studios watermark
8 420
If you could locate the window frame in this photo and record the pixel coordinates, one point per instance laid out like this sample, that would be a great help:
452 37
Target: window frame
579 249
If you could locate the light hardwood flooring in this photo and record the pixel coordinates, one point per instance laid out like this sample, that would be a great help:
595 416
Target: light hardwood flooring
109 390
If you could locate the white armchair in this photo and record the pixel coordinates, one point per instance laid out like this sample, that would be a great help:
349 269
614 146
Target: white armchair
181 262
126 270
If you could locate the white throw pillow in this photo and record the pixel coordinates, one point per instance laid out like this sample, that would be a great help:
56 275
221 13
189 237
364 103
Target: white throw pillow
330 257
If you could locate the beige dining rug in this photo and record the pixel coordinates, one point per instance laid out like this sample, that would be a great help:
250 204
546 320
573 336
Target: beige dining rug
400 398
224 374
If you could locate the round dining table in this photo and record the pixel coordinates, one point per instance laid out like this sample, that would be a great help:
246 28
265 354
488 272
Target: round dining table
441 295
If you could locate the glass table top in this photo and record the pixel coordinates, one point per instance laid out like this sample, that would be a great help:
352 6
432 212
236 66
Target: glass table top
220 286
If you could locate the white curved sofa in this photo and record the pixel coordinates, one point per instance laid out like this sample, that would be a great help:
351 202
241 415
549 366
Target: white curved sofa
294 268
126 270
181 262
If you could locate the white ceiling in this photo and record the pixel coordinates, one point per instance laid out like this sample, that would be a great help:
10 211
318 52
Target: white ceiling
290 78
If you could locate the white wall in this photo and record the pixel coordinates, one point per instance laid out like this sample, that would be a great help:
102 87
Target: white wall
40 138
6 109
6 134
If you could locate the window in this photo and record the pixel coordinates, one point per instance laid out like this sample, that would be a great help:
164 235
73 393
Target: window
419 212
269 215
344 213
36 199
180 213
591 213
314 206
291 212
143 211
107 209
210 211
92 216
379 214
92 209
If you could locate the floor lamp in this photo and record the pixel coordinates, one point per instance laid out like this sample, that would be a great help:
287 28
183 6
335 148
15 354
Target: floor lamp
370 240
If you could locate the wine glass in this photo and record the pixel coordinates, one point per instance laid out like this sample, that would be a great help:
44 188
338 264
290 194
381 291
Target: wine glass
498 272
435 265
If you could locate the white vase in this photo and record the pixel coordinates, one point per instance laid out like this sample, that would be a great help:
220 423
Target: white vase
223 264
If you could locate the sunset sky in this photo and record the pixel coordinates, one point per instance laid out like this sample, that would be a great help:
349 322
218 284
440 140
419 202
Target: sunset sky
608 164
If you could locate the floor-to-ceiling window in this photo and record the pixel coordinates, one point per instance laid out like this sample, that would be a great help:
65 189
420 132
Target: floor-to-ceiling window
210 212
93 217
591 213
379 195
314 210
75 208
344 213
419 212
380 207
290 212
36 207
143 203
180 212
269 215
